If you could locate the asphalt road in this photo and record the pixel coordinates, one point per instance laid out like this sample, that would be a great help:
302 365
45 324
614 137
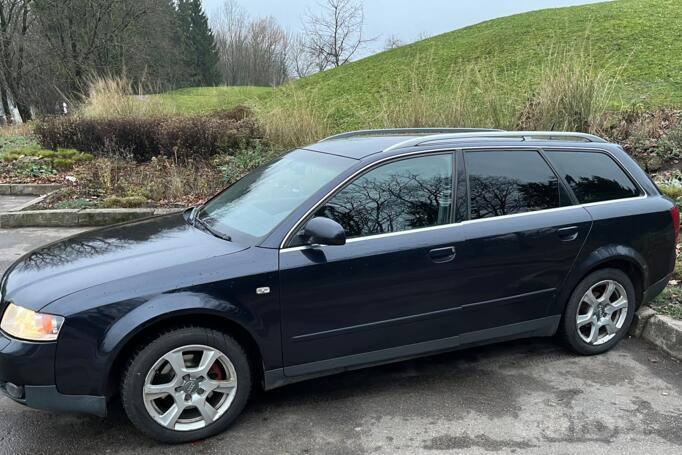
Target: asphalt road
521 397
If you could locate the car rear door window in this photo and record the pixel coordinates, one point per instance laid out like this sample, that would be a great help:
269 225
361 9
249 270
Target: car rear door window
402 195
510 182
593 176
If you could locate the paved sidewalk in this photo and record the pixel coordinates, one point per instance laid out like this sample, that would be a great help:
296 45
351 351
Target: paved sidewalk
8 203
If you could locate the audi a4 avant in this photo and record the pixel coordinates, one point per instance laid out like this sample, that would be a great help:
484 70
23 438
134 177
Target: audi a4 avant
368 247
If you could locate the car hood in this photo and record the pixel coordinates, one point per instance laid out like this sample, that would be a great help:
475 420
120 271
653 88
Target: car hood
104 255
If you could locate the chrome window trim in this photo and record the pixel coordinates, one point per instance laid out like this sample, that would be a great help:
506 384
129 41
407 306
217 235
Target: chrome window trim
480 220
362 170
643 193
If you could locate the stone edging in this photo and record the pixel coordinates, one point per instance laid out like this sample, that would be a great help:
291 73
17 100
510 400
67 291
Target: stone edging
663 331
76 218
11 189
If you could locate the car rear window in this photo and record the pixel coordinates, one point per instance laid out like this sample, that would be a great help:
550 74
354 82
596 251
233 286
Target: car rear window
509 182
593 176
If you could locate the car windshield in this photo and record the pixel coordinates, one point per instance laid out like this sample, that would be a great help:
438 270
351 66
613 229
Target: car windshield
256 204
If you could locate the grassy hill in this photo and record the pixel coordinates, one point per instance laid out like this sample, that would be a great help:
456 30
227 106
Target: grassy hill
640 40
199 100
635 44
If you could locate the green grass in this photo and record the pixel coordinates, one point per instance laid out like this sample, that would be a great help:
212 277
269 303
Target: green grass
668 302
12 143
200 100
640 41
637 42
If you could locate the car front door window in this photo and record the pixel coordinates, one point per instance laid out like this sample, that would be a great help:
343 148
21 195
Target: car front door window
402 195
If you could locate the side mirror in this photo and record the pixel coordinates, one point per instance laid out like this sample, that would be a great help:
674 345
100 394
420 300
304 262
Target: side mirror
323 231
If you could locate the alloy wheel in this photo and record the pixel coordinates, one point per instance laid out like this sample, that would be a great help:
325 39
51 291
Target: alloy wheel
602 312
189 388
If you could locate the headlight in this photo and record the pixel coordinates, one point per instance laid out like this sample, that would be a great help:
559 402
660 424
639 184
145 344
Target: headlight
28 325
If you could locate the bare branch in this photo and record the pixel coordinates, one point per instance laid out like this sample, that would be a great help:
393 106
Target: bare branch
334 36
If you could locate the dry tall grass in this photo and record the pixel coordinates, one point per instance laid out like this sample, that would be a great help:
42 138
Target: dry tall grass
15 129
568 91
295 120
572 93
469 98
119 97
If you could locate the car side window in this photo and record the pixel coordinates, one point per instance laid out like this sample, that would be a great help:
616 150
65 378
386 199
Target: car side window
509 182
402 195
593 176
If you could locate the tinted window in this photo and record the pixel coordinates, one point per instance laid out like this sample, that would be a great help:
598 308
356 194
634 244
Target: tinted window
594 177
407 194
504 183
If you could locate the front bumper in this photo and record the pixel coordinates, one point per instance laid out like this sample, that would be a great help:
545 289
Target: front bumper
27 377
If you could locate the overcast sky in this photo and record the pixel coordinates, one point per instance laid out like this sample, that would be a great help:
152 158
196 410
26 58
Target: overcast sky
406 19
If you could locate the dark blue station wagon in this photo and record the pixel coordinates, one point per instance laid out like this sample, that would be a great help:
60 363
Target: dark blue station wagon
365 248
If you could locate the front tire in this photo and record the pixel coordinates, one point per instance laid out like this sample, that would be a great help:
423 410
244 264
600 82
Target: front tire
187 384
599 312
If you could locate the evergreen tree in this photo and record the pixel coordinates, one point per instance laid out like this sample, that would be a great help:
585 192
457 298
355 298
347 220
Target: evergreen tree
199 43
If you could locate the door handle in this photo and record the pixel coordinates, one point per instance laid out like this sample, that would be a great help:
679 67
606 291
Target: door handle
568 234
441 255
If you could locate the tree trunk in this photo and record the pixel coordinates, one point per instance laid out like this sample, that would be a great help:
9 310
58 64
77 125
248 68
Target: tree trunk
5 104
24 112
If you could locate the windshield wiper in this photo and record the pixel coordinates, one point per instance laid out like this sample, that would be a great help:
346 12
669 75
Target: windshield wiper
195 219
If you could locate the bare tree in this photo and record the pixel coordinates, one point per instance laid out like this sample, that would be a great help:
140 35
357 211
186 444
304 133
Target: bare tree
300 62
86 34
15 23
423 35
251 52
335 35
393 42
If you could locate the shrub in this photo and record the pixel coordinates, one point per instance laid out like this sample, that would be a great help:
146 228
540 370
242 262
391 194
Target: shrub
672 191
74 204
33 169
60 160
161 180
234 167
128 202
142 138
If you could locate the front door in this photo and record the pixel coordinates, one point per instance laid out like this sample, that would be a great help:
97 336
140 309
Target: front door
391 285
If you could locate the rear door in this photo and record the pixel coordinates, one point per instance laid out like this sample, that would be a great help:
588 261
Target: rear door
523 235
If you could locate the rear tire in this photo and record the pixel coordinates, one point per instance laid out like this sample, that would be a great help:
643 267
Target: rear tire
599 312
186 385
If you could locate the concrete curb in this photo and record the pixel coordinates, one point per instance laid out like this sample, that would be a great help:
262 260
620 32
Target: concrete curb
662 331
11 189
76 218
666 333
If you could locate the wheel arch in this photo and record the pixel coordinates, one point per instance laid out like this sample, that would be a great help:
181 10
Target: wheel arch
619 257
153 328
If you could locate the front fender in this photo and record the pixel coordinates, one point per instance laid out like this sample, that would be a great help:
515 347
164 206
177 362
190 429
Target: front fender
168 307
85 362
595 260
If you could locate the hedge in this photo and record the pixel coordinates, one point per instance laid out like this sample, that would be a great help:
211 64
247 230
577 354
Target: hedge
143 138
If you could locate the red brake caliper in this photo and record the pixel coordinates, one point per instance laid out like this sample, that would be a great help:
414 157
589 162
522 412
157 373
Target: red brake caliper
216 372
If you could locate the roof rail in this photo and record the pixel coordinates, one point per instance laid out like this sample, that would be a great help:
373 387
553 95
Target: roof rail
522 135
406 132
